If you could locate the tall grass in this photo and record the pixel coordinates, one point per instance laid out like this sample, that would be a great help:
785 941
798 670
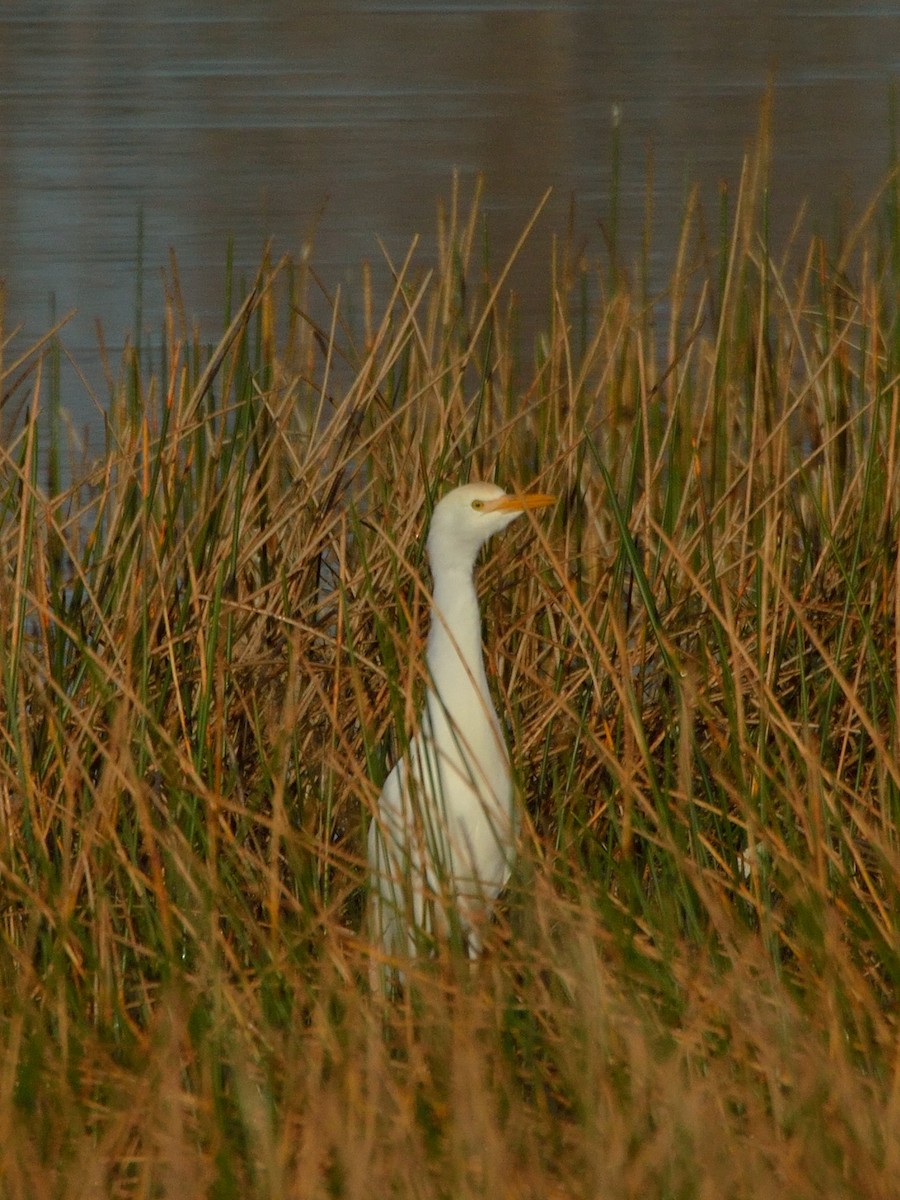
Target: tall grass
210 646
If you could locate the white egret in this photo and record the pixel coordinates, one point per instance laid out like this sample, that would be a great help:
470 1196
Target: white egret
443 837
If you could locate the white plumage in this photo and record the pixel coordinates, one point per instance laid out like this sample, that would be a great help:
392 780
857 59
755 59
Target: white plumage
443 837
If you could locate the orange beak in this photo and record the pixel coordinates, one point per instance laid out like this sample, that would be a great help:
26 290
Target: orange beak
521 503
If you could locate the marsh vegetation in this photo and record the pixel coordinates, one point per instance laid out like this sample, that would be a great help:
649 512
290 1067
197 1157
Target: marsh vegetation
210 635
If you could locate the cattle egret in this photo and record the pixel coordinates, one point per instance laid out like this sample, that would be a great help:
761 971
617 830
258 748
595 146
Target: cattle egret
443 837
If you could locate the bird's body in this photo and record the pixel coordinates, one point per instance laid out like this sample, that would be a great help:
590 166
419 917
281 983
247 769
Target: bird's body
443 837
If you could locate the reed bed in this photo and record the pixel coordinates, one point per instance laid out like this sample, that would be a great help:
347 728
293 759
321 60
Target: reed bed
210 649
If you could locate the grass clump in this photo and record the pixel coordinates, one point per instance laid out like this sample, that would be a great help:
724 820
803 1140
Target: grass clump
207 638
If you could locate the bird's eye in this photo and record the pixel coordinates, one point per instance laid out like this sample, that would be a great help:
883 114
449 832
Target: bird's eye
478 505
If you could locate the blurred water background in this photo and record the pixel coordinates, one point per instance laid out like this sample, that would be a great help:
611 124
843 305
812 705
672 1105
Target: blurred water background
332 125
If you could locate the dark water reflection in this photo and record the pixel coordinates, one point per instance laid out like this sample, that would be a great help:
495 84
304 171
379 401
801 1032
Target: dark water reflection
246 120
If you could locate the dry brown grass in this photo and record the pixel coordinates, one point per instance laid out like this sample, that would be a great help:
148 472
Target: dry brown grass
206 642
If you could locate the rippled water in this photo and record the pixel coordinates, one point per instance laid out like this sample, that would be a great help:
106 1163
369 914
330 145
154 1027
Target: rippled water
343 122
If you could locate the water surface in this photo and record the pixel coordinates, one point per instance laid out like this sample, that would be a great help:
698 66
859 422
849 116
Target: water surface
340 123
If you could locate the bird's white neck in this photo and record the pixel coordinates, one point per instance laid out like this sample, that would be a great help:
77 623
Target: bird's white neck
454 654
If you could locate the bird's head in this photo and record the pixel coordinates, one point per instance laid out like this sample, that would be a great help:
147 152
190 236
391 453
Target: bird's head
466 517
